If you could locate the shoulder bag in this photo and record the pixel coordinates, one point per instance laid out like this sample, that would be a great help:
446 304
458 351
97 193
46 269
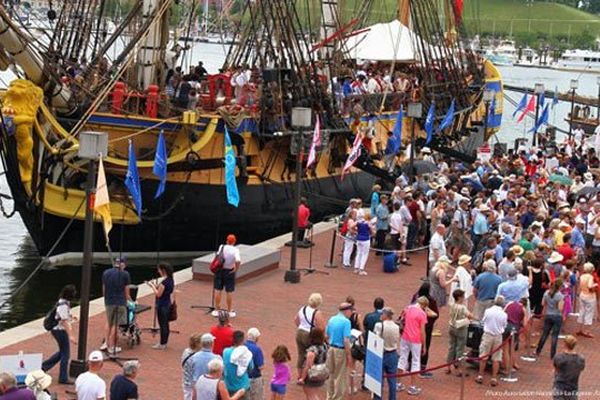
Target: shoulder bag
458 323
217 263
319 372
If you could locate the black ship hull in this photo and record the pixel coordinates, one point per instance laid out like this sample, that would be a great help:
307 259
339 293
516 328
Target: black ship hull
193 218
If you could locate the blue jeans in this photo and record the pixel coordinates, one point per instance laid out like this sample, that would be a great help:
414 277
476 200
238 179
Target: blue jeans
390 366
162 314
551 323
62 355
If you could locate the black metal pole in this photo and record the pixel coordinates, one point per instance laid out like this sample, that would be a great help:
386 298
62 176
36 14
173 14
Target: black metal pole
485 121
598 112
331 263
537 114
572 119
293 275
86 271
412 152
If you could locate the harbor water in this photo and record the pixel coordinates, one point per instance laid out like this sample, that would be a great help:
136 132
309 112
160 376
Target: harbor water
18 257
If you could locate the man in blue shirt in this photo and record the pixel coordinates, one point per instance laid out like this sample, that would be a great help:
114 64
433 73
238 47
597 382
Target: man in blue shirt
513 289
485 288
255 374
201 359
577 238
338 356
480 225
123 387
383 223
115 289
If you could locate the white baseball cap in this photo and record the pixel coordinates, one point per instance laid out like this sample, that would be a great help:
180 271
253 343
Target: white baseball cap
96 356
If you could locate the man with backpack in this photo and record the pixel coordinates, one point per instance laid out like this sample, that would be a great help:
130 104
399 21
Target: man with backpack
225 276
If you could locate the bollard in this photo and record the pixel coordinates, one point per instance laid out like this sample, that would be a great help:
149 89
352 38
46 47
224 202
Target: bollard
528 357
331 263
510 377
461 369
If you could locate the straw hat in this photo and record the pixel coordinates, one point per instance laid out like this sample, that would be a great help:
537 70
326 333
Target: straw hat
518 250
38 380
464 259
483 208
434 185
555 257
444 260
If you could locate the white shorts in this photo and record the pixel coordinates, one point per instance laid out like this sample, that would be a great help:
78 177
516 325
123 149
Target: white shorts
407 348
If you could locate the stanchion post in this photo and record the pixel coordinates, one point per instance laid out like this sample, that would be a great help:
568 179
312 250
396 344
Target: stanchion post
331 263
510 378
461 369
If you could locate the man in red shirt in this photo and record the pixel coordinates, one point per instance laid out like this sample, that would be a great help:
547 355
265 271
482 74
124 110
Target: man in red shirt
565 249
303 216
223 333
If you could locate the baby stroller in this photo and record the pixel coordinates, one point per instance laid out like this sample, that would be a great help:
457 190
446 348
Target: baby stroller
130 329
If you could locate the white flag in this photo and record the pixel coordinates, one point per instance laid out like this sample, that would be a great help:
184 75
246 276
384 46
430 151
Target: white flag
353 156
316 141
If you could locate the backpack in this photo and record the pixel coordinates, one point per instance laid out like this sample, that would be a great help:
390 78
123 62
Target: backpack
217 263
50 321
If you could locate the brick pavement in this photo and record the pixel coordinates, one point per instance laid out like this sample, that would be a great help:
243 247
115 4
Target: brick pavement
270 304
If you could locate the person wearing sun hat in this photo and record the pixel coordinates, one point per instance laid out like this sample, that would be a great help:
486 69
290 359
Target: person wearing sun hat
462 278
39 381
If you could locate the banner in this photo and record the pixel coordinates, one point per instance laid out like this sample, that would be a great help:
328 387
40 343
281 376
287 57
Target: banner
353 156
374 364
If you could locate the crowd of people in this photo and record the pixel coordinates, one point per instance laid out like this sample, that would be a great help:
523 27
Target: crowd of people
513 253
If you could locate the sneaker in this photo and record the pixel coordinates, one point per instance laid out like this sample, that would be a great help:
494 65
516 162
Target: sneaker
346 266
363 273
356 270
159 346
115 350
414 391
400 387
232 314
215 313
426 375
103 346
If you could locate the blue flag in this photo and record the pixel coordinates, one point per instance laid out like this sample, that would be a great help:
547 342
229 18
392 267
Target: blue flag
542 120
448 119
491 112
233 196
429 123
555 97
397 134
522 104
160 164
542 99
132 181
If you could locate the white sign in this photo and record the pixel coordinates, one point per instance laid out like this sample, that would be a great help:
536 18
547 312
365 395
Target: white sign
374 364
484 153
21 364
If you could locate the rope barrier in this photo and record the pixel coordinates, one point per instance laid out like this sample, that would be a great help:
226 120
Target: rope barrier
381 250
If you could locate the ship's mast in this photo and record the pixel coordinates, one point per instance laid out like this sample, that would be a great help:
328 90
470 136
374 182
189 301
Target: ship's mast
404 12
152 52
329 26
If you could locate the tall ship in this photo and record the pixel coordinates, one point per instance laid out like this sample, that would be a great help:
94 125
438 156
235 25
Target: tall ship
286 54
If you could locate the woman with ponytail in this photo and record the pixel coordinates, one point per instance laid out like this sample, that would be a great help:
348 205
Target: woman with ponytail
553 303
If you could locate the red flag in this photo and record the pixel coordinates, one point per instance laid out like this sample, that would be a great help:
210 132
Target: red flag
316 141
530 108
458 11
353 156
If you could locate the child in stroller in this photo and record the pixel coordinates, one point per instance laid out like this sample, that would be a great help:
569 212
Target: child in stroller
131 330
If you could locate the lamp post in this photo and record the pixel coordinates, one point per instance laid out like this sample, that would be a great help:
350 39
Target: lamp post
301 119
488 97
538 90
574 85
415 110
92 145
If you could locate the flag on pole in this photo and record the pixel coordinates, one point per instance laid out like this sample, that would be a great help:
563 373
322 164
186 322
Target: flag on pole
132 181
542 120
395 141
530 108
233 196
522 104
491 112
316 141
429 123
160 165
353 156
102 201
542 99
448 118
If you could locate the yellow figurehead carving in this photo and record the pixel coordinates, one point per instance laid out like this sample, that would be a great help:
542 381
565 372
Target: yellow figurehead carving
22 100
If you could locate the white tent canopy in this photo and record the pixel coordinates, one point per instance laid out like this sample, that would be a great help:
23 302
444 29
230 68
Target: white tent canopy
384 42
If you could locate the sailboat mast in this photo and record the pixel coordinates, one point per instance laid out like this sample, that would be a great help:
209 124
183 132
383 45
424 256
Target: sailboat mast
329 26
153 50
404 12
205 17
